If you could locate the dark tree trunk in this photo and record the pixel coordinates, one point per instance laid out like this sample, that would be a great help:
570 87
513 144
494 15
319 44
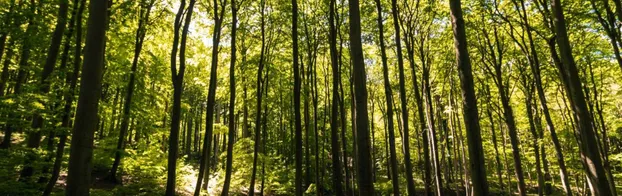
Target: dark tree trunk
494 139
427 96
81 155
534 63
494 53
178 79
71 80
334 130
410 184
229 162
4 77
297 120
427 178
589 145
471 116
211 96
145 10
259 98
34 137
365 179
21 73
389 103
528 90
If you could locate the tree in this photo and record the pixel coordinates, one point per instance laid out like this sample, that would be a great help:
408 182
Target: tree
470 113
364 178
259 96
389 101
178 79
234 20
334 127
410 184
297 120
211 96
568 69
143 20
81 155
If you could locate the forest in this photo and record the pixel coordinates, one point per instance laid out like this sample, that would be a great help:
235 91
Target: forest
311 97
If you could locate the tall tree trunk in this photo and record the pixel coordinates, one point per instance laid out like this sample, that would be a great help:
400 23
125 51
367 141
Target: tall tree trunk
528 90
588 145
71 80
494 138
211 96
34 137
495 57
534 63
259 97
4 77
229 163
365 180
145 10
427 177
297 120
389 103
334 130
427 96
471 116
79 174
410 184
178 79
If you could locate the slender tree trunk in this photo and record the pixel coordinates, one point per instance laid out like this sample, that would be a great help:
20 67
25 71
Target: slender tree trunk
138 44
427 180
431 127
494 140
297 120
528 86
259 98
178 78
225 189
4 77
471 117
334 130
389 103
21 73
410 184
211 96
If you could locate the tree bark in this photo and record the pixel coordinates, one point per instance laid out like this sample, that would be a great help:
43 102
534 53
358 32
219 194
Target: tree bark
471 116
259 97
79 174
365 180
589 149
334 127
229 166
297 120
178 79
145 10
389 104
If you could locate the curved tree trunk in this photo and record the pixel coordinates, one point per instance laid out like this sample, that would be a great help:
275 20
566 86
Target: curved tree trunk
138 45
178 79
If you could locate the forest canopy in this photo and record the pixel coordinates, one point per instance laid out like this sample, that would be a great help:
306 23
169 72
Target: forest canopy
312 97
